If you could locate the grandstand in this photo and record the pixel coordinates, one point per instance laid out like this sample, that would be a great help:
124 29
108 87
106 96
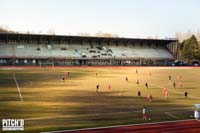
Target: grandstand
36 49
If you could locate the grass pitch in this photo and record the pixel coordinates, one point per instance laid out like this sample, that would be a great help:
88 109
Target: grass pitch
49 103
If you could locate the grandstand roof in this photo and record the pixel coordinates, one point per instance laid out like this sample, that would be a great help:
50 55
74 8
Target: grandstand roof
18 37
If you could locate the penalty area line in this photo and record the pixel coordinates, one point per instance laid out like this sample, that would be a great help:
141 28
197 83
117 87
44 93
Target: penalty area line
20 95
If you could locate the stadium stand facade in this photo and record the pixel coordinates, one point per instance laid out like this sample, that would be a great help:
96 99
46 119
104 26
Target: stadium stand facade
43 50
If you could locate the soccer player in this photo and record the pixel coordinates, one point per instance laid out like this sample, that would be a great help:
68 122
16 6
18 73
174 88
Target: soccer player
150 98
64 76
97 87
138 82
166 93
170 78
144 112
186 94
126 79
174 84
164 89
146 84
109 87
139 93
180 83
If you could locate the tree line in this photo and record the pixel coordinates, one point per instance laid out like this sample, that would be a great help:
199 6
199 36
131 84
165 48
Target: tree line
189 49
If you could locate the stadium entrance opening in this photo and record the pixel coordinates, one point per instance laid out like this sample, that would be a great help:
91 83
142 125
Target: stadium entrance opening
82 62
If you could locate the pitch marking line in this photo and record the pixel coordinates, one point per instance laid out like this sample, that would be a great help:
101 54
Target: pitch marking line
97 114
171 115
20 95
117 126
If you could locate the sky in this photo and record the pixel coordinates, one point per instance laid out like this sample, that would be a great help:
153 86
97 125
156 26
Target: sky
127 18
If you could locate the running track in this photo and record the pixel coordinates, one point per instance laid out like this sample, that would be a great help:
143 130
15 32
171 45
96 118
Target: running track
187 126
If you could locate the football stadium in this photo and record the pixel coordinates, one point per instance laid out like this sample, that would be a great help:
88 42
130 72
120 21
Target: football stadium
96 66
60 83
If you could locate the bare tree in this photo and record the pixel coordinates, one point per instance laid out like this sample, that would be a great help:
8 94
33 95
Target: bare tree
102 34
84 34
183 36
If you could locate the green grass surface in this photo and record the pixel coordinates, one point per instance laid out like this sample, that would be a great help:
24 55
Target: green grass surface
52 104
